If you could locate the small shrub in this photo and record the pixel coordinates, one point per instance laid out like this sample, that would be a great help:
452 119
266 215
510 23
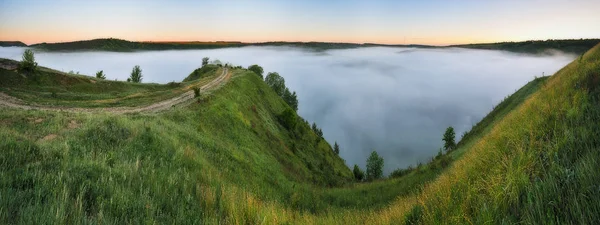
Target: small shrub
205 61
100 75
401 172
288 118
257 69
359 175
336 148
28 63
53 95
136 75
196 92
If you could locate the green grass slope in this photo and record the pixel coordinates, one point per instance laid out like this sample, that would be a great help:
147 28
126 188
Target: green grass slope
537 165
228 159
55 88
186 165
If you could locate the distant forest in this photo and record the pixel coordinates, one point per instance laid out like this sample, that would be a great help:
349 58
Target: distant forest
574 46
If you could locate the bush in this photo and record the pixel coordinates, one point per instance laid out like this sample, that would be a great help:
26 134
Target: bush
359 175
276 82
401 172
28 63
136 75
196 92
288 118
374 166
257 69
100 75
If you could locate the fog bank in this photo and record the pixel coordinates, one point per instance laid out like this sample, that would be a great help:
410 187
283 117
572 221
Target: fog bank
397 101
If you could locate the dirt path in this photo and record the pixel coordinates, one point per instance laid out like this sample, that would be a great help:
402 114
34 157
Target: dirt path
185 98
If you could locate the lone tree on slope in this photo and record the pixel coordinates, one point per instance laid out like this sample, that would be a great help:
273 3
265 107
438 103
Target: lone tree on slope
28 63
205 61
257 69
276 82
374 166
359 175
136 74
100 75
448 139
336 148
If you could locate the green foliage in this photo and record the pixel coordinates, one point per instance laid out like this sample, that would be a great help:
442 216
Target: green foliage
359 175
336 148
448 139
136 75
28 63
317 130
196 92
257 69
205 61
288 119
401 172
100 75
276 82
291 99
374 166
575 46
201 72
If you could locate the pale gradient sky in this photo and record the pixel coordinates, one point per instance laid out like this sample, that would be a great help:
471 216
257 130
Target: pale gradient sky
437 22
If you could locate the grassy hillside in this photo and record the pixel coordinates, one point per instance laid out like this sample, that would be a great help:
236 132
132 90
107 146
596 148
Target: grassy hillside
228 159
178 166
55 88
537 165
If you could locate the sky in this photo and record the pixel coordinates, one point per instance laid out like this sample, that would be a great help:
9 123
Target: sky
435 22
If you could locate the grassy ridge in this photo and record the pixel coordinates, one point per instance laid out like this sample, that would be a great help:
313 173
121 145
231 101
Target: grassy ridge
177 166
537 165
50 87
574 46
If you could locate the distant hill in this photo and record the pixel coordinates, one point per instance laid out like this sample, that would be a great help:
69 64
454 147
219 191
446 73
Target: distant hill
12 44
575 46
118 45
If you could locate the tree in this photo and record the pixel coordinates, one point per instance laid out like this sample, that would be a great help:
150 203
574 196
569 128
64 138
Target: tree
28 63
276 82
136 74
205 61
374 166
336 148
257 69
291 99
448 139
100 75
359 175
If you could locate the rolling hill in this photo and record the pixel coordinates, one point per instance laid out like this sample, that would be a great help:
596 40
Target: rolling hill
228 158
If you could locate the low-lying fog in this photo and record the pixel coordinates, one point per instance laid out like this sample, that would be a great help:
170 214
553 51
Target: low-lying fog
397 101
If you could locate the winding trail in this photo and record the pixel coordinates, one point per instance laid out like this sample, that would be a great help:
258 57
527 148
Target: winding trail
183 99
